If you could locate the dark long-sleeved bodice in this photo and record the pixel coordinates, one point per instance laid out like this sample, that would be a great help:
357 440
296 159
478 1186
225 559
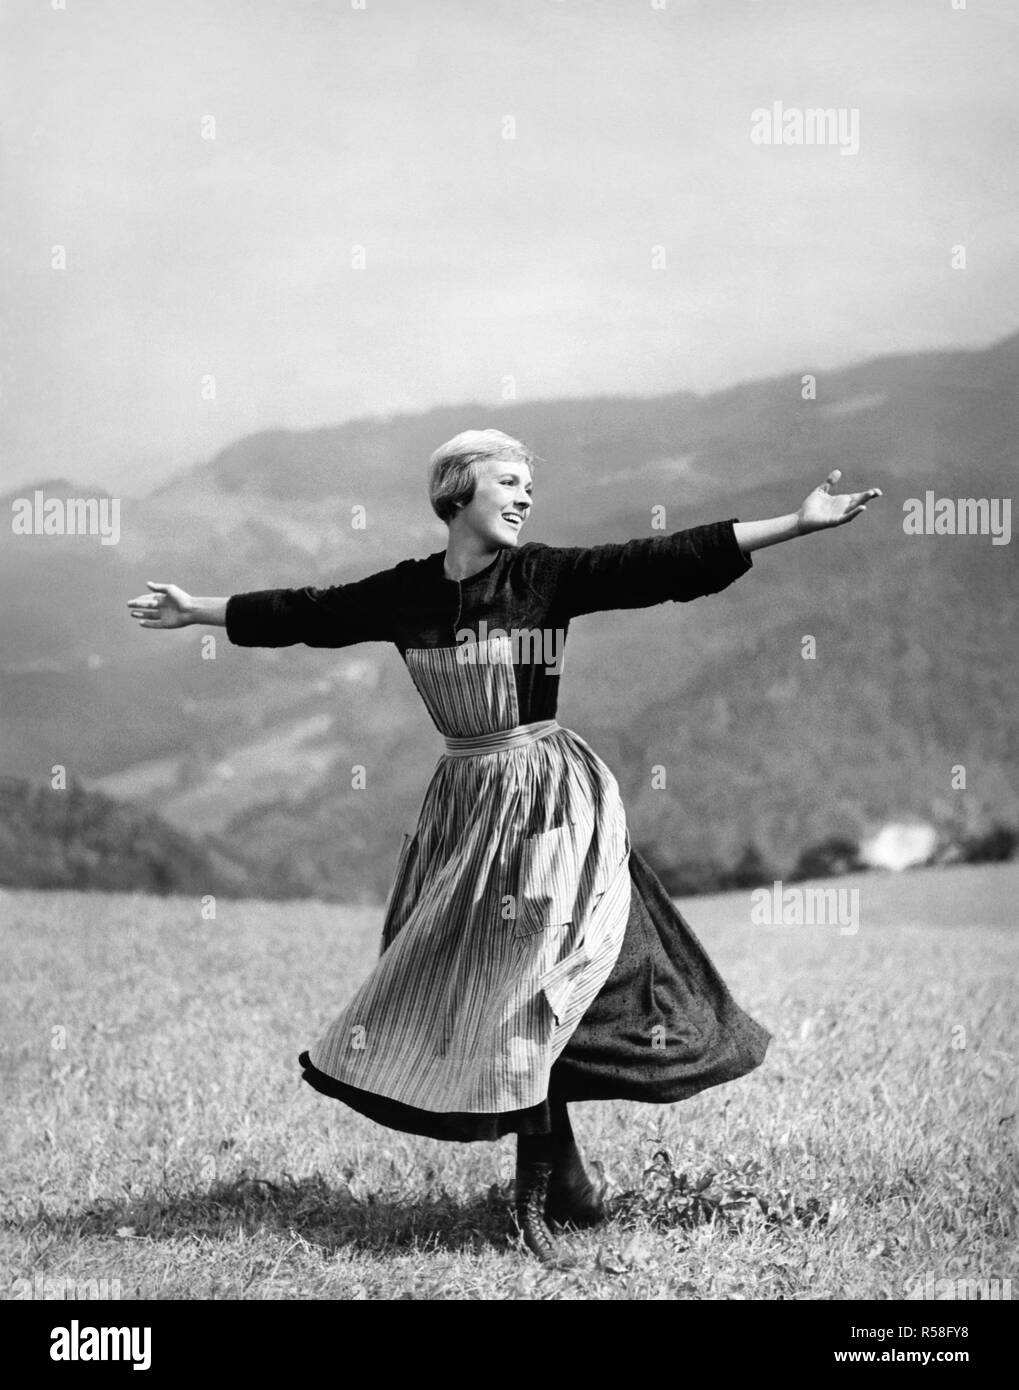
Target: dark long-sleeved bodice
533 588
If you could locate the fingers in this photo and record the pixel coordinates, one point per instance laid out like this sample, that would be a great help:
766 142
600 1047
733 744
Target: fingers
856 497
153 600
154 609
147 610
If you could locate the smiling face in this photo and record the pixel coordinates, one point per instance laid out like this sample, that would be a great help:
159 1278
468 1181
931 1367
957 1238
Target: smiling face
501 504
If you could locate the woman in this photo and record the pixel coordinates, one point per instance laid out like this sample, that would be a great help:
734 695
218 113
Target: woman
529 956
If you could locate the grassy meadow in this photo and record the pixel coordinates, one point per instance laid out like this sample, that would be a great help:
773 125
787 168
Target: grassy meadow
156 1131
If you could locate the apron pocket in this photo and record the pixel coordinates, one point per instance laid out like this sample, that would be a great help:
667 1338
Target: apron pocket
548 882
557 984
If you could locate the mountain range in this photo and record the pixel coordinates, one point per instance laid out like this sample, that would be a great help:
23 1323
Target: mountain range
912 680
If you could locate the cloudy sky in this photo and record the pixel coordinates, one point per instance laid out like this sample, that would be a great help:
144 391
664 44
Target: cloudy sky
485 258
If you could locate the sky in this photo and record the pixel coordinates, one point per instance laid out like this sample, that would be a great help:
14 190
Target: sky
493 268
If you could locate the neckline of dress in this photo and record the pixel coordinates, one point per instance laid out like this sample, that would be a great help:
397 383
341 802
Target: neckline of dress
440 559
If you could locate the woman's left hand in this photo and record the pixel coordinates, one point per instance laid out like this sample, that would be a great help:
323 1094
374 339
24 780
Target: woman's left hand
821 509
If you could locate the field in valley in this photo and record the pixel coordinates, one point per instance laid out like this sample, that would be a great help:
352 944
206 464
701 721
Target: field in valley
156 1131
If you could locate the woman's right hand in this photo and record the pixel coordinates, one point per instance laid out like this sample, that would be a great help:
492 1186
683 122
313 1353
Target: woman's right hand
167 606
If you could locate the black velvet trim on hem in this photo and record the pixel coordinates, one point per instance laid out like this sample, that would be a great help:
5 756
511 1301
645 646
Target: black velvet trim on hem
459 1126
662 1028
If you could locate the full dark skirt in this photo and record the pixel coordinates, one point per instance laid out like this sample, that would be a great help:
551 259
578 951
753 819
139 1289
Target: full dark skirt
662 1028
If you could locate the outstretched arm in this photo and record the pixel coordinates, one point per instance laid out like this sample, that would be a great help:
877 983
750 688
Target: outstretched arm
820 510
682 565
337 616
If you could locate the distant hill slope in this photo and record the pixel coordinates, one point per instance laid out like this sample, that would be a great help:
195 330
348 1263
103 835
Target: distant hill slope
914 672
81 839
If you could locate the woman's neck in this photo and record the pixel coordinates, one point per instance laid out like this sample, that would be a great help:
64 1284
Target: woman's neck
466 556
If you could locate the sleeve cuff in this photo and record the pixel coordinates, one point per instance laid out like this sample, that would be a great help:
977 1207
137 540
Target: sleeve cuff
730 553
240 628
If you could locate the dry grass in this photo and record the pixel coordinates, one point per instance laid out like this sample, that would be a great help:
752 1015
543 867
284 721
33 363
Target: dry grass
171 1145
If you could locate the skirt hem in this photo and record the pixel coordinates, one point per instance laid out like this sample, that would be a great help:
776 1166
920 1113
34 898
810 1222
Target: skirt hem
663 1028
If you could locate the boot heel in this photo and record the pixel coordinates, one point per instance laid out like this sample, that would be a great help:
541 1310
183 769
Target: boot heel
573 1200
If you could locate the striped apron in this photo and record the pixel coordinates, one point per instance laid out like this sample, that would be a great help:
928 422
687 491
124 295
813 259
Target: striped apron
508 907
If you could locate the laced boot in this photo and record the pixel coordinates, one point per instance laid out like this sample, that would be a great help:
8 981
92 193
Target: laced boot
531 1194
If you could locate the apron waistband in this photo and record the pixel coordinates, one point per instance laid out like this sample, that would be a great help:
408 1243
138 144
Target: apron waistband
502 739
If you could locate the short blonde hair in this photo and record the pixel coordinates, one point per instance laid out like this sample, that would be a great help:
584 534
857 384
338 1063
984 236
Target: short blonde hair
453 472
